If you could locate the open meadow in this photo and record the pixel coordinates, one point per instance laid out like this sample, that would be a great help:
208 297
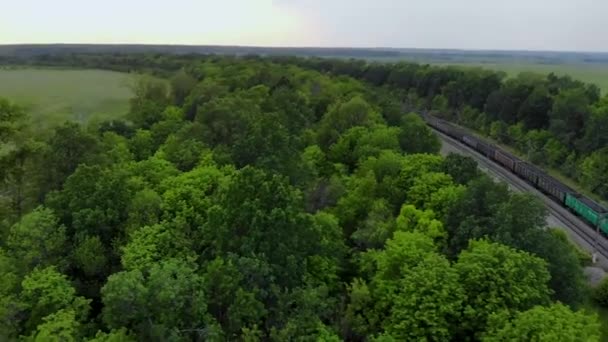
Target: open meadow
52 96
589 73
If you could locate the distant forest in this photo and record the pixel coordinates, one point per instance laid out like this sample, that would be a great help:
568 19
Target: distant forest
419 55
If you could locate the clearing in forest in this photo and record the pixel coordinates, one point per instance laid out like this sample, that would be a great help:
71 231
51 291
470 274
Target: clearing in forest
52 96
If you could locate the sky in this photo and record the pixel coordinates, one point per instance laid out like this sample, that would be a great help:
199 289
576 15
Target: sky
562 25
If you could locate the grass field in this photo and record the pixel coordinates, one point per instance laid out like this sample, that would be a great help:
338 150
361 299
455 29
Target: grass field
52 96
596 74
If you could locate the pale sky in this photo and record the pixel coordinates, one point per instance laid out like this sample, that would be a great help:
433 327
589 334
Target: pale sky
573 25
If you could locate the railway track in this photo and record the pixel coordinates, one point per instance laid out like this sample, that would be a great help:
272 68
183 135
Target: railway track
571 222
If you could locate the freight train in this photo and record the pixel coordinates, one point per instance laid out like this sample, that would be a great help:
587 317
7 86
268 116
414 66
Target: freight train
581 205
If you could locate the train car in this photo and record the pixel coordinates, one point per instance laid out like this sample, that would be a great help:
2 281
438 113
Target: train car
455 132
553 187
469 140
443 127
528 172
506 159
486 149
588 209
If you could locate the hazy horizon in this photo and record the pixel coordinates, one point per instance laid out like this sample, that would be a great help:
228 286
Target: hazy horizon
308 47
478 25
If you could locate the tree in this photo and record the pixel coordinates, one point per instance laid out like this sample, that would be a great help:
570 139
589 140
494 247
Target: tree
295 111
495 277
470 216
60 326
594 138
151 244
184 154
119 335
90 256
567 278
139 300
94 200
237 289
11 120
416 136
425 186
19 168
403 252
142 144
257 213
518 220
429 302
461 168
181 86
203 92
151 96
600 293
45 292
186 200
354 206
568 115
377 227
11 308
534 111
69 146
344 115
552 323
360 143
593 172
37 240
145 209
411 219
371 301
265 143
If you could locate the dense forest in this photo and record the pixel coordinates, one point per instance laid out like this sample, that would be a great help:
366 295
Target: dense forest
285 199
555 122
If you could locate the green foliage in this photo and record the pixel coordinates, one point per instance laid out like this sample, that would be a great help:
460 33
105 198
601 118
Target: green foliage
258 213
69 146
593 172
45 292
495 277
120 335
37 240
469 216
425 186
150 98
90 256
94 200
416 136
258 199
600 293
360 143
556 322
564 265
181 86
462 169
568 115
139 300
11 116
429 303
60 326
414 220
344 115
